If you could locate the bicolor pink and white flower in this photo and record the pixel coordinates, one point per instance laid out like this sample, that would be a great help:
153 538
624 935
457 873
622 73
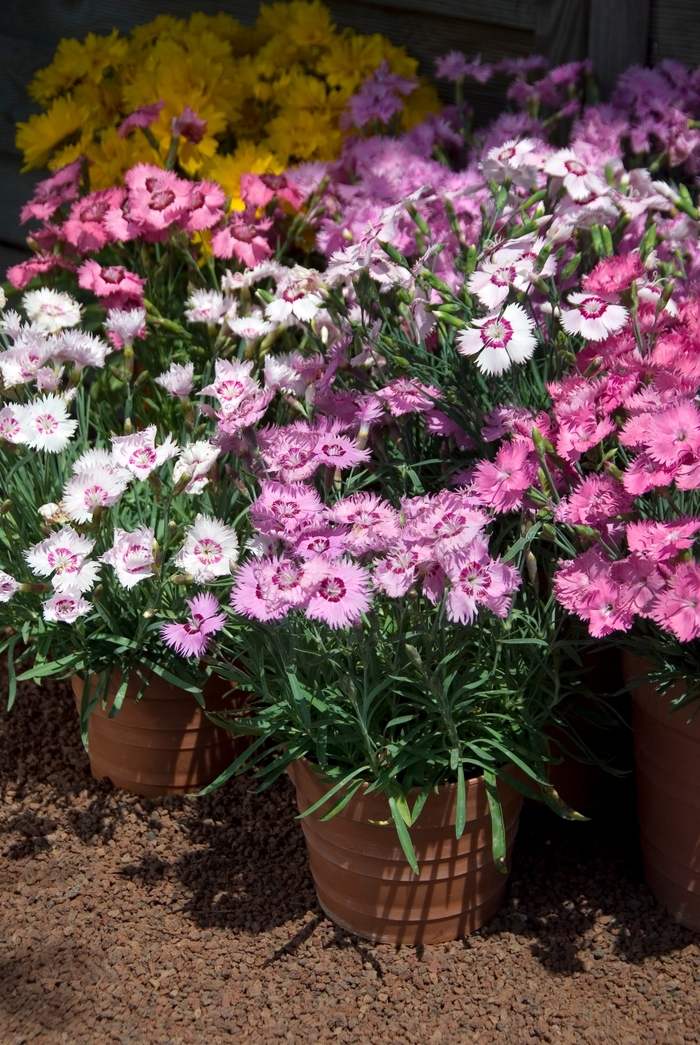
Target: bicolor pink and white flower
93 487
139 454
498 341
178 379
125 325
8 586
208 306
341 595
65 607
195 461
65 556
209 551
594 317
579 178
131 555
44 424
493 279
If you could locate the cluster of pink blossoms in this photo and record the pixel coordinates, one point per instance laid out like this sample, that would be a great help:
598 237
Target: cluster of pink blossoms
327 559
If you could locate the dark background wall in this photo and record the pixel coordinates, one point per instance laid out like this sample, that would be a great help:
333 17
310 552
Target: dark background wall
614 33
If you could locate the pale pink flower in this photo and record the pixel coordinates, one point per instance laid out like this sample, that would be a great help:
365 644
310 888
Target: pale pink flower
142 117
326 543
500 485
178 379
65 607
189 126
281 374
644 475
373 523
131 555
250 327
337 451
291 455
406 395
260 189
595 318
341 595
494 278
298 297
397 571
192 638
8 586
99 486
47 379
80 348
44 424
578 177
247 596
139 454
499 341
451 523
478 580
209 551
125 325
286 510
232 383
289 581
51 310
241 415
677 609
640 582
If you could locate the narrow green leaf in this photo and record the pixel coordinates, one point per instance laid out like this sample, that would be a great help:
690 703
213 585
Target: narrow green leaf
331 792
404 836
11 674
498 831
461 811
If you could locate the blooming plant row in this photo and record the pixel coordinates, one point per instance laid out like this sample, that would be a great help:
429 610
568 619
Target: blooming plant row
350 444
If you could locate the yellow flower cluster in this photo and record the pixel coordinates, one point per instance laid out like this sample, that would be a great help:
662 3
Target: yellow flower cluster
271 95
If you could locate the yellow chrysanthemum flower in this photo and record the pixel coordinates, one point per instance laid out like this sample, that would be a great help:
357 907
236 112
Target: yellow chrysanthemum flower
41 135
270 95
419 104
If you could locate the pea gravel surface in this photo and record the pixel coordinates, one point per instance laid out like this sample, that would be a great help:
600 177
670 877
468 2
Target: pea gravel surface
182 921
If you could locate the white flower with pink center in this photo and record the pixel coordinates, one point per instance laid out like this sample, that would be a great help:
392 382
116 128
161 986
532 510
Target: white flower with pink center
299 296
280 373
127 324
207 306
578 177
131 555
64 554
494 278
9 425
499 341
515 160
45 425
232 383
51 310
8 586
178 379
250 327
595 318
210 549
196 461
92 488
139 454
65 607
21 363
395 573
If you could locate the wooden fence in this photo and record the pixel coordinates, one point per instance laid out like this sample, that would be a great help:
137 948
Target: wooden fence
614 33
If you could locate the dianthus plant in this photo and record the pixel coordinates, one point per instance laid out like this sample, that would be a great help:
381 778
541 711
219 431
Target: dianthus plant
114 510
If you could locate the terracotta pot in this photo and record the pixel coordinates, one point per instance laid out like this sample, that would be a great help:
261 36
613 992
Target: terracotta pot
364 882
162 744
667 757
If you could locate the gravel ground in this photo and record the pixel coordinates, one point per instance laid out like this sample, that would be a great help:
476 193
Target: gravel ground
185 921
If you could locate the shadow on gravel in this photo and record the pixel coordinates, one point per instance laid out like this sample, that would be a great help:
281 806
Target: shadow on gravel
250 871
38 987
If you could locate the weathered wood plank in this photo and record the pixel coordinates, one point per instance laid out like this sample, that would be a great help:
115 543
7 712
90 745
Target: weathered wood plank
10 256
618 37
15 190
675 32
561 30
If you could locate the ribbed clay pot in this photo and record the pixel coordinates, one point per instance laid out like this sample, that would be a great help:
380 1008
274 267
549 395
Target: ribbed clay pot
667 758
364 882
162 744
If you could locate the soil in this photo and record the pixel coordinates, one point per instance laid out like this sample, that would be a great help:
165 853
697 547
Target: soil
180 921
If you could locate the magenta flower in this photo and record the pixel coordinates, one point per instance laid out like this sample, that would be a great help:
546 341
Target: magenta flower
454 66
575 580
49 194
673 434
39 265
286 510
192 638
142 117
640 582
661 541
261 189
595 501
121 289
85 227
243 239
677 609
406 395
248 598
341 595
500 485
157 198
206 206
189 126
607 609
337 451
644 475
613 275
